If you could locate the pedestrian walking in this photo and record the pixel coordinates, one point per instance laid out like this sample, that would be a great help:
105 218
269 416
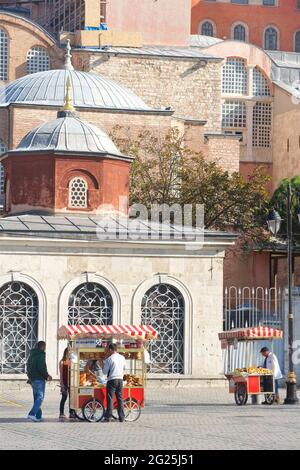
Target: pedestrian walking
37 376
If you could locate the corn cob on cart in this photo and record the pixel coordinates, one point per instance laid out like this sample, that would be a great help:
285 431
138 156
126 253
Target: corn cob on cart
90 343
249 380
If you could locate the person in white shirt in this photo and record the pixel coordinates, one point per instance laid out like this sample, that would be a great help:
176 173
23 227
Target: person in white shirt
271 363
114 368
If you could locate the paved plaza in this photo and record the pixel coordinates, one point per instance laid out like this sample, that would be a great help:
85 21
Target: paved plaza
177 419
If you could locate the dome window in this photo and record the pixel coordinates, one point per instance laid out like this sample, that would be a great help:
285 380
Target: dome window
37 60
78 193
3 55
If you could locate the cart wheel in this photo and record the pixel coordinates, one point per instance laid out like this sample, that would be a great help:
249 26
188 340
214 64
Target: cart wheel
115 414
93 410
240 395
270 398
132 410
79 414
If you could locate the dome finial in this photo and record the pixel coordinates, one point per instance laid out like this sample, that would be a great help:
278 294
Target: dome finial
68 109
68 106
68 56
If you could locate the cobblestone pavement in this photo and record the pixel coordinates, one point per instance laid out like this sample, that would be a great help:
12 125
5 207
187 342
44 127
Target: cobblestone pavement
181 419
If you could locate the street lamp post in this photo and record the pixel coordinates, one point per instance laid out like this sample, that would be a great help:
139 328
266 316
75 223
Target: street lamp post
274 223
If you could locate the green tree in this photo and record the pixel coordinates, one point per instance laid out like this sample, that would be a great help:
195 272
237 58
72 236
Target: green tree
279 202
165 170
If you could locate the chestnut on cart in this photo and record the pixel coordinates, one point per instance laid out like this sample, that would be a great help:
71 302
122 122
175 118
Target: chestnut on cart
90 343
249 380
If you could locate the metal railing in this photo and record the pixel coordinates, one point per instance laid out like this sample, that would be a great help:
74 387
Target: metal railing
252 306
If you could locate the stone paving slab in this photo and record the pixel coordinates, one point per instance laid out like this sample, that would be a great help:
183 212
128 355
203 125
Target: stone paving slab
176 419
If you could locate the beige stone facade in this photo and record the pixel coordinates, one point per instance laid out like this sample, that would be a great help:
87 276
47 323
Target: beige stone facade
191 89
24 35
286 139
54 268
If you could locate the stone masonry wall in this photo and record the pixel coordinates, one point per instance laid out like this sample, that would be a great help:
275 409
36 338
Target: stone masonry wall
25 119
225 151
201 277
192 91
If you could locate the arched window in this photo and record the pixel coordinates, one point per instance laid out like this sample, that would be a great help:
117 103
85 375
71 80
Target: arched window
3 55
260 84
18 326
3 149
78 193
239 32
234 76
271 39
163 309
262 125
90 304
297 41
207 29
37 60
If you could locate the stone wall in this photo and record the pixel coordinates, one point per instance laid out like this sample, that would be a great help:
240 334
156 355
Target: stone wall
4 125
225 151
192 90
48 268
24 119
286 138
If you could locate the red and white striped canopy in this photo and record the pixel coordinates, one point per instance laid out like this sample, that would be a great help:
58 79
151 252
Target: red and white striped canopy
143 332
256 332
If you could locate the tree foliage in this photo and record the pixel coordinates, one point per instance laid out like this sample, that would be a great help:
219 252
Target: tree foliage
279 202
165 170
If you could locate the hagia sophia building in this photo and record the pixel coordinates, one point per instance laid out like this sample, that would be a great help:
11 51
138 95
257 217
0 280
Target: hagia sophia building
232 101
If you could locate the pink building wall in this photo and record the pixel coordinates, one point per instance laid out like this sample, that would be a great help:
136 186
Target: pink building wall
162 22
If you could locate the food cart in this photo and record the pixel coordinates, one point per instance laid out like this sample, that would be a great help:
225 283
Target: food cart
89 343
249 380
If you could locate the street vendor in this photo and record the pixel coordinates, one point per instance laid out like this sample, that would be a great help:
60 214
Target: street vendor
93 369
114 366
271 363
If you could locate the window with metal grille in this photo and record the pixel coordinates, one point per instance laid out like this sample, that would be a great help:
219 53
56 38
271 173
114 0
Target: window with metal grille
19 310
271 39
262 125
207 29
163 309
3 149
239 32
37 60
3 55
78 192
234 114
260 84
90 304
234 76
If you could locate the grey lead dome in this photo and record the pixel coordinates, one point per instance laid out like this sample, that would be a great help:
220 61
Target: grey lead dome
88 91
68 134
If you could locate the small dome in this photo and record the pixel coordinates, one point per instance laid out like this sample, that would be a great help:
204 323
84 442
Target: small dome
89 90
68 134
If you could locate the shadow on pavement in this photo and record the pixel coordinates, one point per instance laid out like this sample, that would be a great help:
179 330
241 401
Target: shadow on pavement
46 420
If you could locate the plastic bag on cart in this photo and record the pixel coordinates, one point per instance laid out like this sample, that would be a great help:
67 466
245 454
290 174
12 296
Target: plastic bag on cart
147 358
